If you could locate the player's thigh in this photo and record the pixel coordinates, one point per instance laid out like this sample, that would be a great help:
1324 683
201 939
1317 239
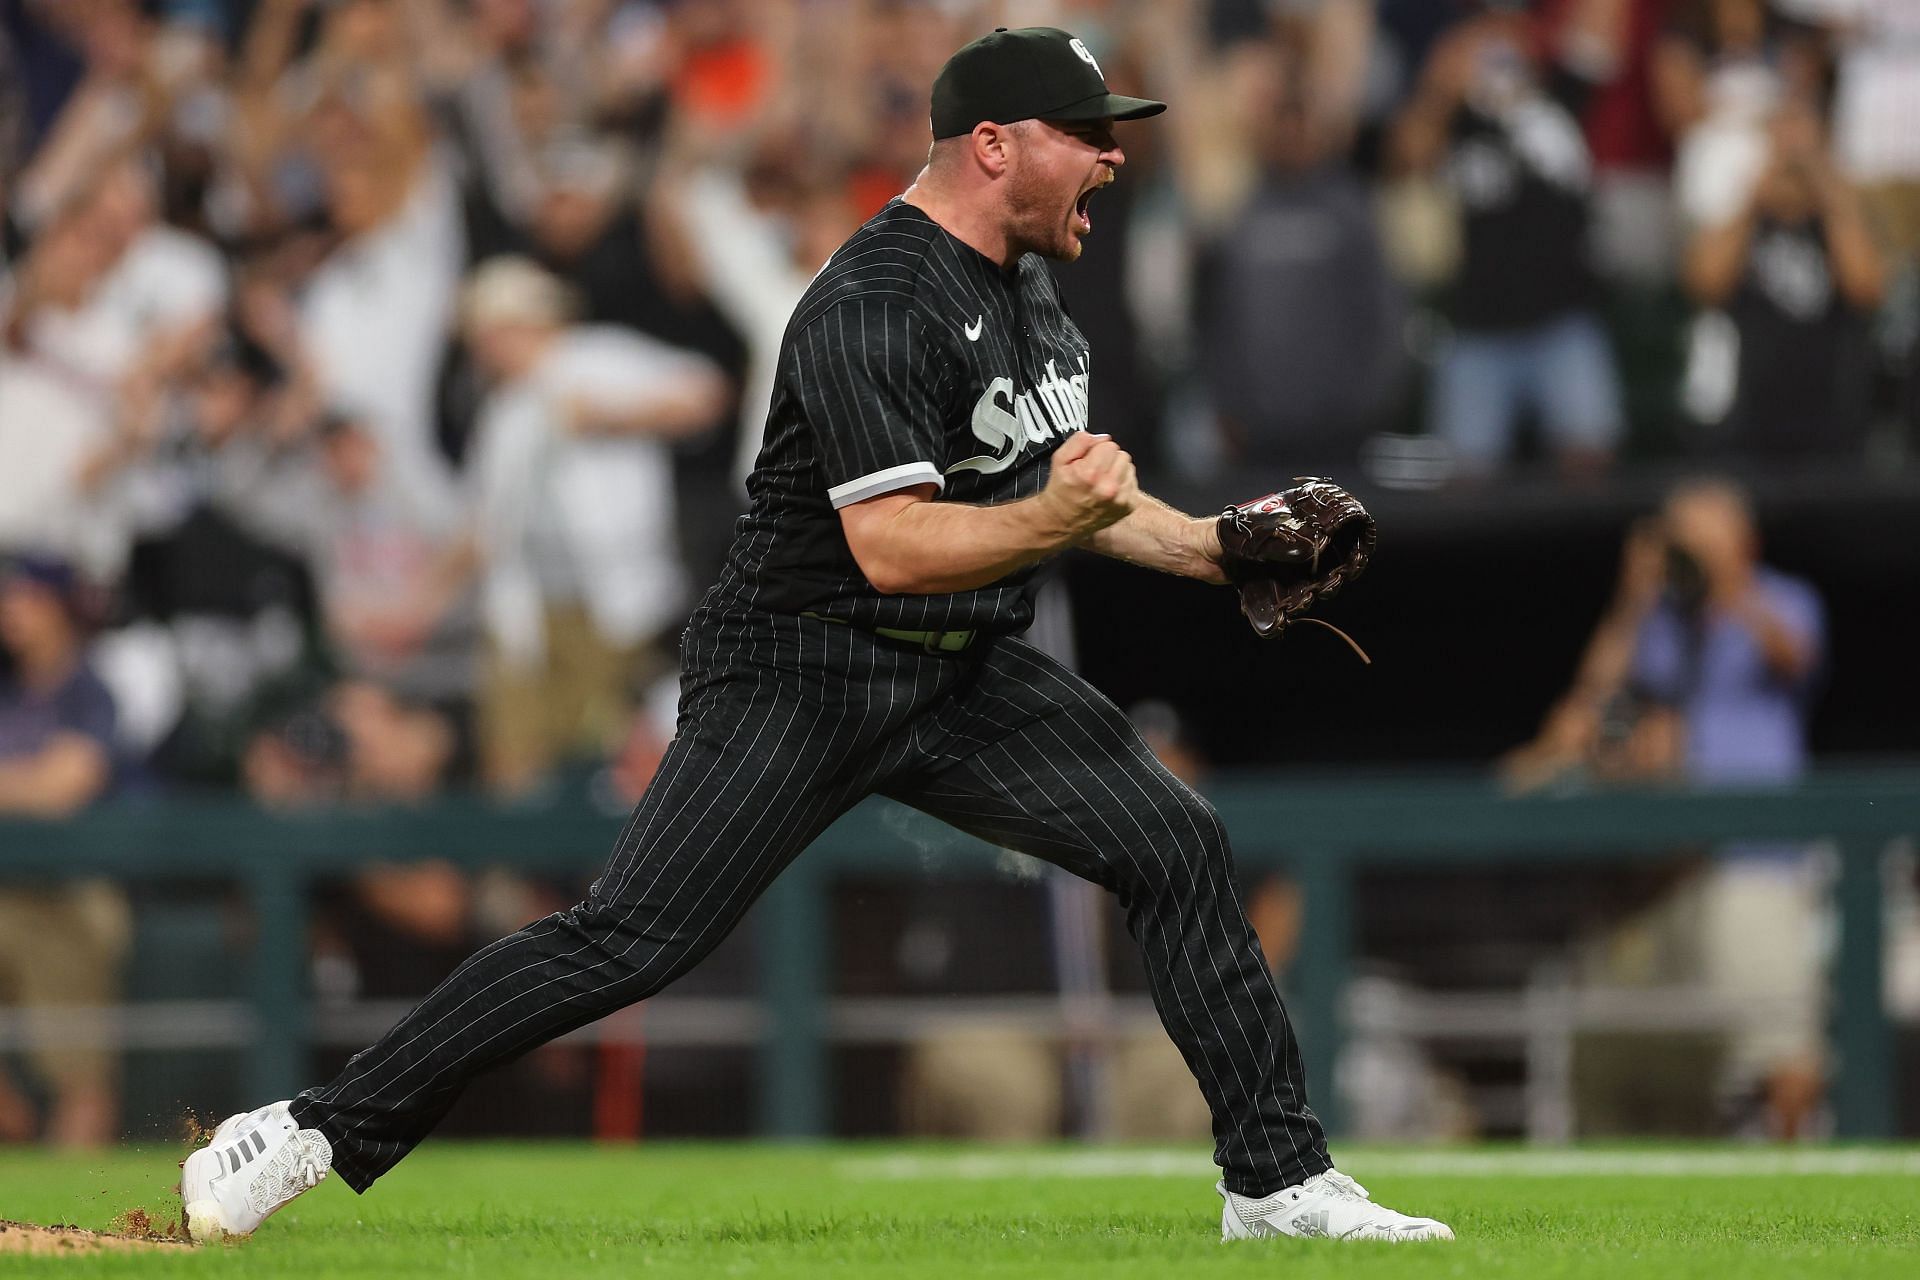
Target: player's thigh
751 778
1573 383
1041 762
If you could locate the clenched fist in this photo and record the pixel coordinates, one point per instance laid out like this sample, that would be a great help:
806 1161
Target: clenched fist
1091 484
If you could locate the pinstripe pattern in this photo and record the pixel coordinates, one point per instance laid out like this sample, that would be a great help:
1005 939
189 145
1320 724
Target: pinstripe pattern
878 389
910 357
1042 763
787 723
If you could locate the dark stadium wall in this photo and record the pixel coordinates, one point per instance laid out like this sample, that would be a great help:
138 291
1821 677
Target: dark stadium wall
1475 616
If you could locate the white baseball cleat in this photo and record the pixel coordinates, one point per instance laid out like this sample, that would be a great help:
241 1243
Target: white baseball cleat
257 1162
1328 1204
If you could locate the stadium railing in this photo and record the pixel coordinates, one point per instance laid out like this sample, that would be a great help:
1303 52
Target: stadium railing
1322 830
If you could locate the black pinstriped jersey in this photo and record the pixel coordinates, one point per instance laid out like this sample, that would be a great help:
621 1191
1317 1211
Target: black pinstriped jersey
911 359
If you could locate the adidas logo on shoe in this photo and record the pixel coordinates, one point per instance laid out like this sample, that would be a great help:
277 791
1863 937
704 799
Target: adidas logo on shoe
257 1163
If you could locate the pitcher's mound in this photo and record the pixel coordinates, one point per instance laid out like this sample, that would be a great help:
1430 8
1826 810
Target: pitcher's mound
22 1237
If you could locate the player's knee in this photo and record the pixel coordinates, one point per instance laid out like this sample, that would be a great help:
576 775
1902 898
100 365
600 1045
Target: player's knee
1188 855
626 952
1205 861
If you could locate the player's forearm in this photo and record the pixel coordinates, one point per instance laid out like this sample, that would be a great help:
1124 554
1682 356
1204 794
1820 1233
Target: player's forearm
1156 536
931 548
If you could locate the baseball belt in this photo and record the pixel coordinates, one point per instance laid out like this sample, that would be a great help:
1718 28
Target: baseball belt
928 641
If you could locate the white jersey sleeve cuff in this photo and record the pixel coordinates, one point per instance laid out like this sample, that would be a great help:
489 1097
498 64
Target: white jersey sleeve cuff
875 483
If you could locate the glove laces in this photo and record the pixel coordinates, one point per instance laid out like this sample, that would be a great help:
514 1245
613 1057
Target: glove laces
1351 643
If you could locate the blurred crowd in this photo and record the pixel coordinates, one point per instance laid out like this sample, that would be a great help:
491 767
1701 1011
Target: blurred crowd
378 377
425 343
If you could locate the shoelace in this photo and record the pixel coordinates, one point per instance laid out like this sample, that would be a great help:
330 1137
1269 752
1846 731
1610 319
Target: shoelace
309 1170
287 1176
1341 1185
1380 1218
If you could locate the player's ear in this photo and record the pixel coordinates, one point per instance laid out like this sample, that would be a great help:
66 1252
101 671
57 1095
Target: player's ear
990 146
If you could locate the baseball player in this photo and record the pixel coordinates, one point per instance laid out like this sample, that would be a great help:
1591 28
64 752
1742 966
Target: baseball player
927 448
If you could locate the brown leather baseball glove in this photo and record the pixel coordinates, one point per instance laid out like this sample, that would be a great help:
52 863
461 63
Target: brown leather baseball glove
1290 550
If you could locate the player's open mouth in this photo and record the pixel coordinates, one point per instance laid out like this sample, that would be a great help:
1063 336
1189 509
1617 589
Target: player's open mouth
1080 214
1083 221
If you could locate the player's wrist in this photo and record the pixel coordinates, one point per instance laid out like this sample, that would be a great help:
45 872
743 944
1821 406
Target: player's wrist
1204 551
1058 522
1205 531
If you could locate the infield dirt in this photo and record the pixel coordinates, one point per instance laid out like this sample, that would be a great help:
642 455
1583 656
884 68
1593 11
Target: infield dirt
23 1237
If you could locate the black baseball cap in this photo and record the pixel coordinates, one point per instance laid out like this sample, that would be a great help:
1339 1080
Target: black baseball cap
1032 73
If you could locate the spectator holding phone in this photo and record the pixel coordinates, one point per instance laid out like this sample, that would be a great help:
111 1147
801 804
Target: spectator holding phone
1795 275
1497 114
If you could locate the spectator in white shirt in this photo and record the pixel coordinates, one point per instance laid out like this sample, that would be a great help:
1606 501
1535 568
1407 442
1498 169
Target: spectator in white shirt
155 311
758 238
376 314
1721 71
49 422
573 514
109 306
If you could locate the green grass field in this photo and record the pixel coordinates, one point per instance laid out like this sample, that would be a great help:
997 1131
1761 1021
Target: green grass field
577 1211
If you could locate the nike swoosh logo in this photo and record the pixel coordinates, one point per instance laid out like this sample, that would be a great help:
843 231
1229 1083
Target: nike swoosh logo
973 330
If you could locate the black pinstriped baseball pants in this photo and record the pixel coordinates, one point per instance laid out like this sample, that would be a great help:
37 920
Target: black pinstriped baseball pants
786 723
